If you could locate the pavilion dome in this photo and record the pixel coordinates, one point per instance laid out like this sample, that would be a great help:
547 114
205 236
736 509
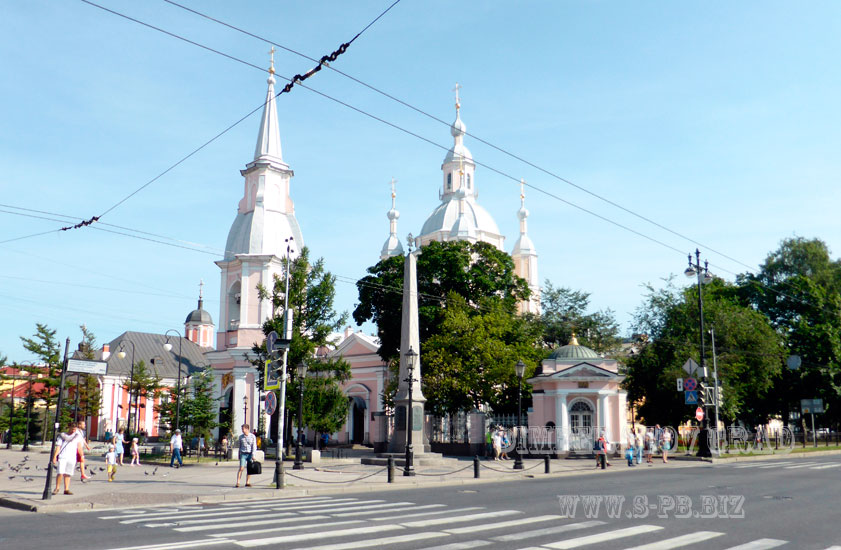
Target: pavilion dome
574 351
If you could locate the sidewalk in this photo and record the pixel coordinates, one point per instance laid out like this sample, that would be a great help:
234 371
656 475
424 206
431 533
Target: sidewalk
211 481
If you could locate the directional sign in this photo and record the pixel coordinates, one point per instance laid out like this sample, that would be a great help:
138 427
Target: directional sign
86 367
691 397
690 384
271 339
271 403
680 384
699 414
690 367
271 380
813 406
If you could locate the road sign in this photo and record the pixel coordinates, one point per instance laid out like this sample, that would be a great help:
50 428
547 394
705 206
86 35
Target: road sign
699 414
86 367
691 397
793 362
690 384
271 380
813 406
271 403
271 338
690 367
680 384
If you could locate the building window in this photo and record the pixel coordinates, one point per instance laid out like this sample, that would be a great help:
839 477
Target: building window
468 181
449 182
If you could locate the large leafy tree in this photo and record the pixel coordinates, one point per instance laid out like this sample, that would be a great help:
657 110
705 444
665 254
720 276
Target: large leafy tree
199 407
565 312
44 345
749 353
798 287
86 385
142 383
312 292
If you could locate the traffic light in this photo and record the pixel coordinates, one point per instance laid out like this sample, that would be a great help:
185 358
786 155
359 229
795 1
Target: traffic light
702 394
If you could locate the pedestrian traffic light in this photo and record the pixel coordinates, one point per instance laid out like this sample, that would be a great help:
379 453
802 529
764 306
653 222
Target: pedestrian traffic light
702 395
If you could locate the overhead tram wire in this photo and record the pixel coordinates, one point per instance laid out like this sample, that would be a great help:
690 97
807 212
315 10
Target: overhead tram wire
297 79
477 138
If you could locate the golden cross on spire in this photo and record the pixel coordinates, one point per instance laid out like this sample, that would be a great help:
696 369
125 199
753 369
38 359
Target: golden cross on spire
201 284
522 189
392 182
456 89
271 60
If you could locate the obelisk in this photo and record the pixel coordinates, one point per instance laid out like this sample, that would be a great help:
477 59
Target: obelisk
409 339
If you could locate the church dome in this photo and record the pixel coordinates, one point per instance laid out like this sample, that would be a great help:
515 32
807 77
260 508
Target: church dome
199 317
446 215
573 351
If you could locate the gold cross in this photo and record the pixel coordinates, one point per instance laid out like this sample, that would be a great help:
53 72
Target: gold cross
456 89
271 60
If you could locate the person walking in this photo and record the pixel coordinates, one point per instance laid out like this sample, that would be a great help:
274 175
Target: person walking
119 441
111 462
666 444
489 443
629 450
80 455
247 448
135 452
649 445
639 443
67 445
600 449
176 445
496 441
503 454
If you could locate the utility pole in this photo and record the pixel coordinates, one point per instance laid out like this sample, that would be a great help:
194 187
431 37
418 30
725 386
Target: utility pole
47 491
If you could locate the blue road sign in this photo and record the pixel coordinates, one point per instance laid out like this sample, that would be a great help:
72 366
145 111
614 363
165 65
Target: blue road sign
691 397
690 384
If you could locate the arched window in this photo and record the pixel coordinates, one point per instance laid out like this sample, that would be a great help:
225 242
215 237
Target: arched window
468 181
580 406
449 182
234 299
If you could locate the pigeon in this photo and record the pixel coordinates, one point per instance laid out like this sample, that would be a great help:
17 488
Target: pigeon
25 458
11 477
145 473
155 471
92 473
102 468
28 478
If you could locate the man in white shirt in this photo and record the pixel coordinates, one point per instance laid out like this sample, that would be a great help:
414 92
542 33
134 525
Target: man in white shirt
67 445
175 447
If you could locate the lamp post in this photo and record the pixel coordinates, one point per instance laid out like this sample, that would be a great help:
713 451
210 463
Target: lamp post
702 276
168 347
520 369
302 372
409 468
122 355
11 411
28 408
245 409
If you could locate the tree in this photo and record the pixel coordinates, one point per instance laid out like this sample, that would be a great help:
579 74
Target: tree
471 270
87 386
45 347
141 384
749 353
199 407
564 313
312 292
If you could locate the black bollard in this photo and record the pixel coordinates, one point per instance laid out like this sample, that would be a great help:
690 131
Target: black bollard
391 469
546 469
476 466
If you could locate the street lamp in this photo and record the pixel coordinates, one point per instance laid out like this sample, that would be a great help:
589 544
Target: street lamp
245 409
520 369
168 347
122 355
302 372
702 276
409 468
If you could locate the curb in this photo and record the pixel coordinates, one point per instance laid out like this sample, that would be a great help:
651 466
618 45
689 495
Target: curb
774 455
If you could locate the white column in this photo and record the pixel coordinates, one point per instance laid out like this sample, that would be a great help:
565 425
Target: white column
240 389
622 398
562 422
604 417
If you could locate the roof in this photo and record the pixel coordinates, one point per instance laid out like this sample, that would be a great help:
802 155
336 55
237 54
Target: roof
445 216
262 236
149 348
199 316
573 352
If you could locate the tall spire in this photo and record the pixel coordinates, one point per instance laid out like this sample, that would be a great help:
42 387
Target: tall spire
268 140
525 257
201 284
523 214
392 246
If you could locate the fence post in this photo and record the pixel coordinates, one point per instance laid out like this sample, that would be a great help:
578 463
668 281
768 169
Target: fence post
476 466
546 469
391 469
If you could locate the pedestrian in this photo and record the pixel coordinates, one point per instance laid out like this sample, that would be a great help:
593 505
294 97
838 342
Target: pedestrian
666 444
489 442
649 445
135 452
119 441
67 445
176 445
247 448
600 450
496 441
629 450
639 443
80 455
503 455
201 446
111 462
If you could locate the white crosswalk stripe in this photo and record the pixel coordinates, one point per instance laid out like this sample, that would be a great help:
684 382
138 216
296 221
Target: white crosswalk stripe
824 467
776 465
296 527
460 545
356 506
300 537
760 544
801 465
229 513
482 527
603 537
548 531
385 542
426 514
677 542
262 519
397 509
460 519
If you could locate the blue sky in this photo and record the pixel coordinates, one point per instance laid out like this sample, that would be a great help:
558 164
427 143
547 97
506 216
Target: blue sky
718 121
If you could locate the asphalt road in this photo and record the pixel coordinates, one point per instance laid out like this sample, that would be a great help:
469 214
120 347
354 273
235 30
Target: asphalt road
780 503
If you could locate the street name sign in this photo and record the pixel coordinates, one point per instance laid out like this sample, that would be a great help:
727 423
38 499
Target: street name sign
86 367
813 406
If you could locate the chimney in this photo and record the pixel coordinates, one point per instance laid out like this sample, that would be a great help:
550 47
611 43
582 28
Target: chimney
348 332
106 352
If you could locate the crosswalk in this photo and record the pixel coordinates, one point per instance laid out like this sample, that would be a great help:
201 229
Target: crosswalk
783 465
350 523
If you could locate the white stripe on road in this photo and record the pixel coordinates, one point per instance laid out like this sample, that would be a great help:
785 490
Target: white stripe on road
761 544
332 504
749 464
776 464
342 508
138 513
176 545
460 545
548 531
807 464
296 499
287 527
245 521
823 467
193 514
392 510
377 542
310 536
459 519
422 514
500 524
603 537
677 542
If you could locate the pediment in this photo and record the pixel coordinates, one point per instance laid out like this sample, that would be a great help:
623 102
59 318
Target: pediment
585 370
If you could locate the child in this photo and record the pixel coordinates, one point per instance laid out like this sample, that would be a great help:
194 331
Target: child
111 462
135 453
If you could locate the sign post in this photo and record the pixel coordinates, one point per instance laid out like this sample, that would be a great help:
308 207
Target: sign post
47 490
810 407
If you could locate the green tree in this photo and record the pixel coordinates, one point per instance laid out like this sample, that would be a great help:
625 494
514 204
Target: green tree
749 353
46 348
798 287
86 385
199 407
141 383
564 313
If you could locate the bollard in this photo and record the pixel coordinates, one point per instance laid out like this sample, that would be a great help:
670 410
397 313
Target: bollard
476 467
546 468
391 469
603 460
